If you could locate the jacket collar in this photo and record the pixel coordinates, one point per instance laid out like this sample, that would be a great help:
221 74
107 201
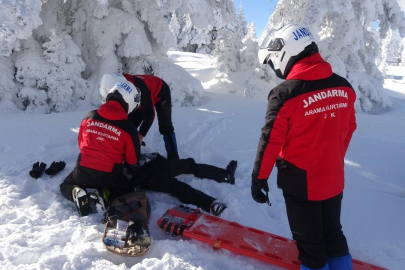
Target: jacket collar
310 68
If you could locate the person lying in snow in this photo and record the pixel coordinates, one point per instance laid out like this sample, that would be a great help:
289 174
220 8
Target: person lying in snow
107 139
154 172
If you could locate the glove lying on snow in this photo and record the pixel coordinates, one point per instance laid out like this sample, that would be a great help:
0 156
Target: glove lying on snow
55 168
37 169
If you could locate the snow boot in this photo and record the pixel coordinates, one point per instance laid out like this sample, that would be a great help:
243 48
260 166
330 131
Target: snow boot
81 200
97 202
171 146
217 208
341 263
230 172
217 174
303 267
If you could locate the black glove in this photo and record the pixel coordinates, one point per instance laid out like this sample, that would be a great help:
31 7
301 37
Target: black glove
257 194
37 169
55 168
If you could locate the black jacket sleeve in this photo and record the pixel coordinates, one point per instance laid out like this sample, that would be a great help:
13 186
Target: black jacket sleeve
147 107
272 137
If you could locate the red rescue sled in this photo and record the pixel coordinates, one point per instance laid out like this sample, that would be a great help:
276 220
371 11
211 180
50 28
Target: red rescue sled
220 233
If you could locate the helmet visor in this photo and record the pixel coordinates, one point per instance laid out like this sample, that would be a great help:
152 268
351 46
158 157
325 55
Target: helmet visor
271 43
137 98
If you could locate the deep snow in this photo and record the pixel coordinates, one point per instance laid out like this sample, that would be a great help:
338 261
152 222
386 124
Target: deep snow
39 229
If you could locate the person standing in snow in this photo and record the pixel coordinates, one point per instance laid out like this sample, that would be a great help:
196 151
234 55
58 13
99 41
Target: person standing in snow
155 94
309 123
107 140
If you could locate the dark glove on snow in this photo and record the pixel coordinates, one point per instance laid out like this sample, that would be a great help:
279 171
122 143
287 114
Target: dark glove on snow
55 168
257 194
37 169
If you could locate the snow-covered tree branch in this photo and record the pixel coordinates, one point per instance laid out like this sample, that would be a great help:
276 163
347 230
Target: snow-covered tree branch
195 22
50 67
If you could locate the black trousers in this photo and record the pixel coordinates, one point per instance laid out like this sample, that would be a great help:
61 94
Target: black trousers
159 175
315 225
117 183
163 110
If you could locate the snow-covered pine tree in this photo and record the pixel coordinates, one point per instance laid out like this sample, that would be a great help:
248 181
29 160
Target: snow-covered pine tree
17 21
227 51
402 51
199 21
262 77
130 36
260 81
120 35
390 48
7 87
189 37
250 47
185 35
174 26
52 75
241 22
373 41
32 72
341 28
65 83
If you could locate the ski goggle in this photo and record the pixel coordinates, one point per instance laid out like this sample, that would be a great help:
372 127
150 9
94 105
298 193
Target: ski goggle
272 43
137 98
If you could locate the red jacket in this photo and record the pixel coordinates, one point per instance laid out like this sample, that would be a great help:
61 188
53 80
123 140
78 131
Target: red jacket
151 93
107 138
310 120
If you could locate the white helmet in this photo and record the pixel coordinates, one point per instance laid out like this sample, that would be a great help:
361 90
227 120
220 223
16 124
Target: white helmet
115 86
281 49
107 82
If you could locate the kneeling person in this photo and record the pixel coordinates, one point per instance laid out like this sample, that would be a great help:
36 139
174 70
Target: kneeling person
106 139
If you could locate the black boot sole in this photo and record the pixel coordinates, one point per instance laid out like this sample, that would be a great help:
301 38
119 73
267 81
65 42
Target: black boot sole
84 206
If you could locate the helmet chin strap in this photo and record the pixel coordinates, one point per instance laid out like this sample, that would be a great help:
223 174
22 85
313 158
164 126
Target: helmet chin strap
278 74
277 71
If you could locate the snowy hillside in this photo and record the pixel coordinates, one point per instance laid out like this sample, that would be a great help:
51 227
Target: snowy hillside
39 229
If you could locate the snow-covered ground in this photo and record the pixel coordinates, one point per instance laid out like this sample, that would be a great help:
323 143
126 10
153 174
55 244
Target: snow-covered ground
39 229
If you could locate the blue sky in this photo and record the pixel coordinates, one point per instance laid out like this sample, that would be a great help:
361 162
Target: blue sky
257 11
